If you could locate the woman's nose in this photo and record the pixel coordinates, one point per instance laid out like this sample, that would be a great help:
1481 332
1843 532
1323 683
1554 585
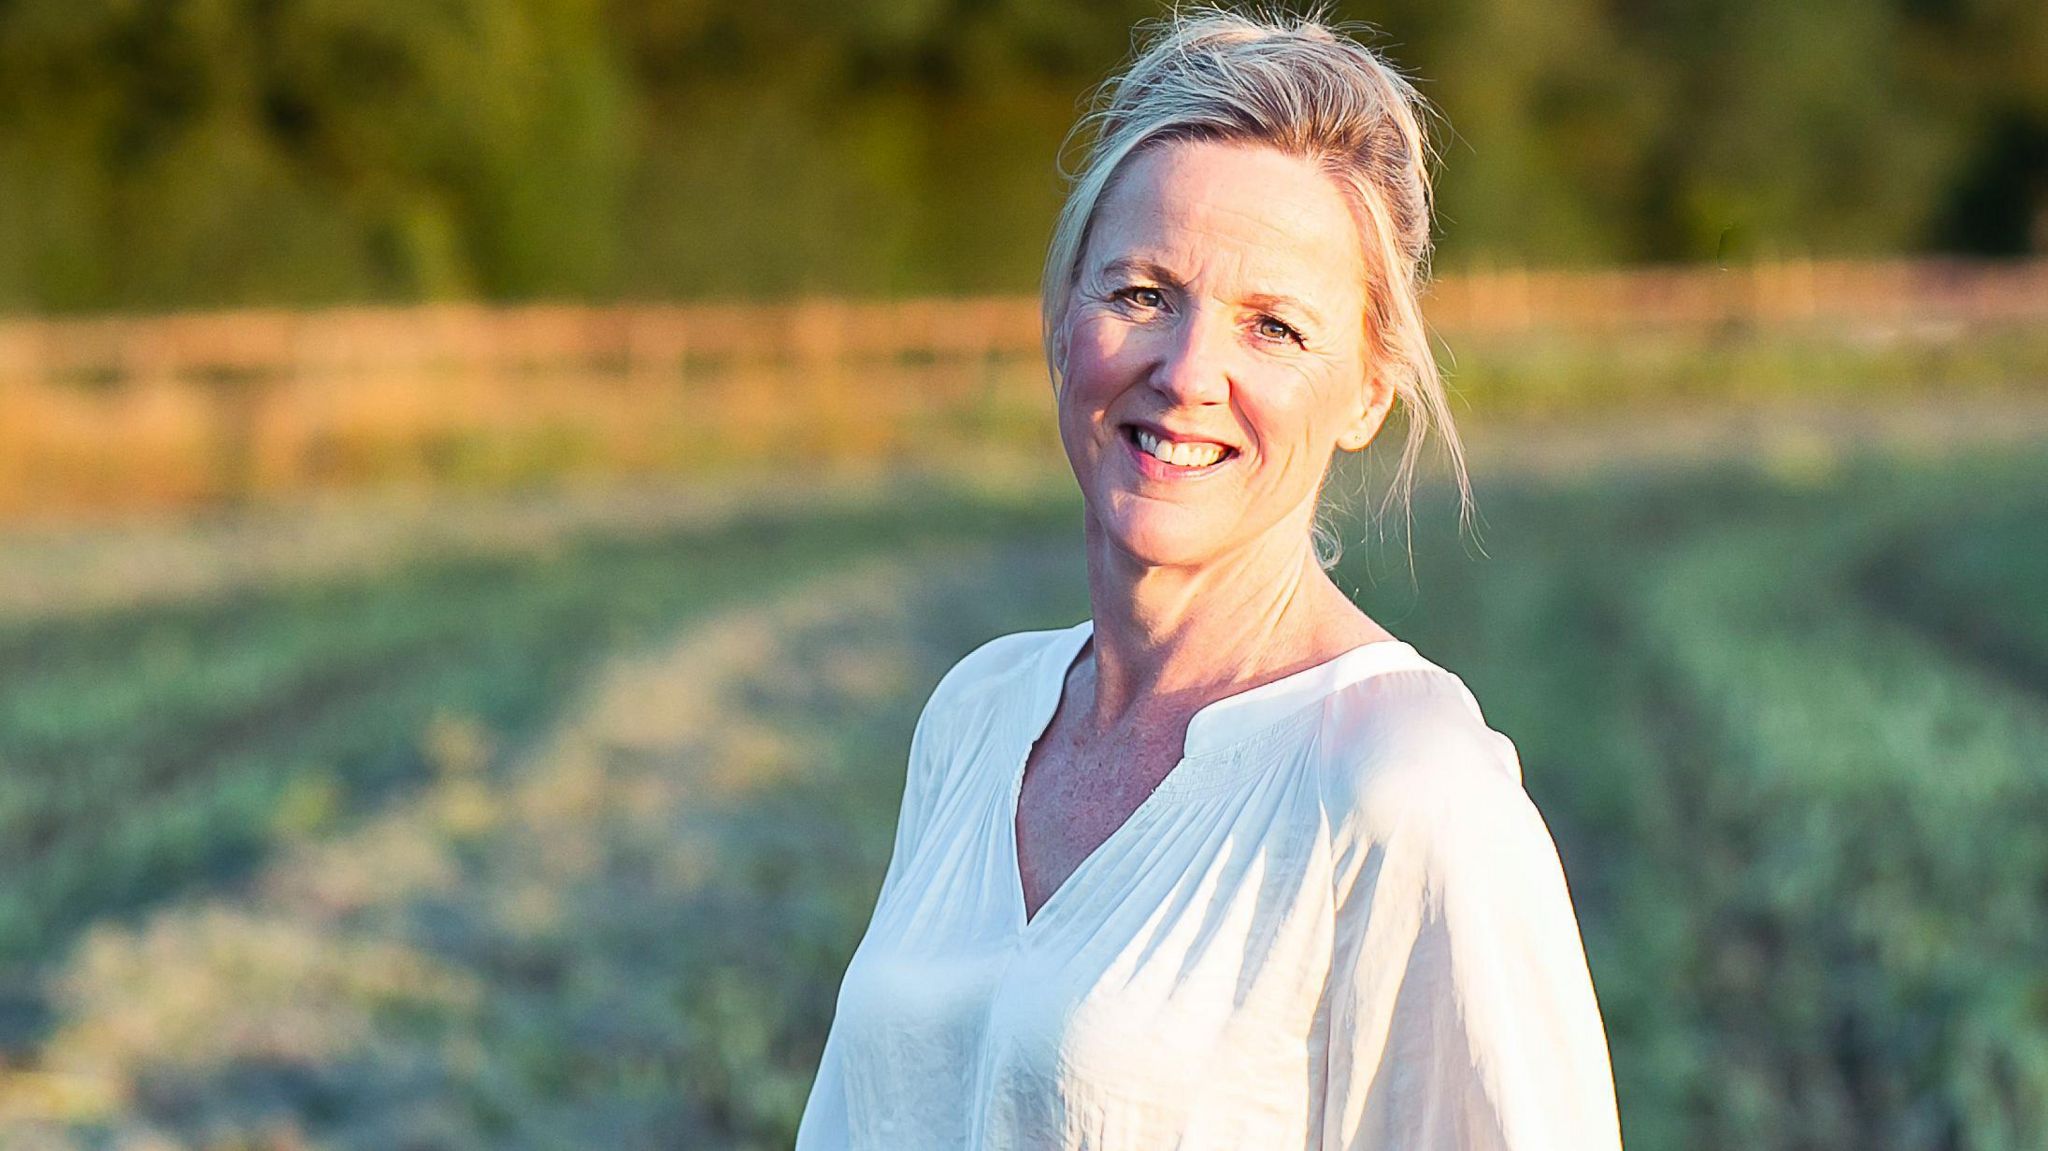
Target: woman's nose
1194 367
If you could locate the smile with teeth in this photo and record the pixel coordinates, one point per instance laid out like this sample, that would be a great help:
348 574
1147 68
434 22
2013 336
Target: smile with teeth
1180 455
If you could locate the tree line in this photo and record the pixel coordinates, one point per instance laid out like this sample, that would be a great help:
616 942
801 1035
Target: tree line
199 153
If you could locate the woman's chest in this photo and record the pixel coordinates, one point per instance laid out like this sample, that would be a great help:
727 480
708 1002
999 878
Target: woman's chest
1073 797
1177 970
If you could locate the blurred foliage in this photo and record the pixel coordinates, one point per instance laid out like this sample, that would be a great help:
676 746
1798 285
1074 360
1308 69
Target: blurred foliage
172 153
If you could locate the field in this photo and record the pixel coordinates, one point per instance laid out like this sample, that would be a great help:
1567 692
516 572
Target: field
115 414
526 824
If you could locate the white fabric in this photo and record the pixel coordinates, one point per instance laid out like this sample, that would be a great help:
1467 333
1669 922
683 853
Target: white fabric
1339 923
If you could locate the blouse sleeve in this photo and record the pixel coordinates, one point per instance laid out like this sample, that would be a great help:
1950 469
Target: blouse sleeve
1461 1014
919 788
824 1125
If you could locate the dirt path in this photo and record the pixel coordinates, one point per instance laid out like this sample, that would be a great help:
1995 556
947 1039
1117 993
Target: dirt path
624 938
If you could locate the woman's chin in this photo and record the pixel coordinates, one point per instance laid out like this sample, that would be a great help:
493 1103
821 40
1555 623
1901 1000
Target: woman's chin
1160 540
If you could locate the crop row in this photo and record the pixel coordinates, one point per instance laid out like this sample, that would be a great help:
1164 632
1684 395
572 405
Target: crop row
156 748
1977 583
1841 853
1801 824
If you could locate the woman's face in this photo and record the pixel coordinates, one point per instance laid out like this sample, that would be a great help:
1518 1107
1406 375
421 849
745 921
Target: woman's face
1216 352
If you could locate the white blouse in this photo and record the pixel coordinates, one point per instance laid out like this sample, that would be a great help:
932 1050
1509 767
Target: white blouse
1337 923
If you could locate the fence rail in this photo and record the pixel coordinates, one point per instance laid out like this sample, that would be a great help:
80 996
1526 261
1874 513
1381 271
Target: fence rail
162 410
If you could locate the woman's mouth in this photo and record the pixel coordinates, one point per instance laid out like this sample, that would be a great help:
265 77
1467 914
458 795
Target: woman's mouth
1161 458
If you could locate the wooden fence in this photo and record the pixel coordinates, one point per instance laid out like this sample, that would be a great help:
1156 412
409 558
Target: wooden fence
131 412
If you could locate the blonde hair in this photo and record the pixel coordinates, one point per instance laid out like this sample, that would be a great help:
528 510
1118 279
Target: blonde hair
1308 89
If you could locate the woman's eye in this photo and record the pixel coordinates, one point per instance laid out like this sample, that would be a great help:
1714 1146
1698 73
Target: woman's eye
1274 329
1144 297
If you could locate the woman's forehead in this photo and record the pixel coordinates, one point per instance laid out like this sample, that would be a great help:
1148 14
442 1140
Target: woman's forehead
1194 208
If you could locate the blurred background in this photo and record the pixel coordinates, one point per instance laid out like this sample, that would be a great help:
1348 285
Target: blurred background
487 485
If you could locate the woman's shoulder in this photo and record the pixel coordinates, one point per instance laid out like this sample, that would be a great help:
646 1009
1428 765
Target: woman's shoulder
996 668
972 705
1408 755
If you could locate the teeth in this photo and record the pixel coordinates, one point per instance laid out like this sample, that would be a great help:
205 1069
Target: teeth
1179 455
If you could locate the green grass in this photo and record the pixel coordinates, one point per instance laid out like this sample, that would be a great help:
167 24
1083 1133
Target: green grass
1975 580
1541 374
1781 723
633 938
1873 809
147 750
1804 833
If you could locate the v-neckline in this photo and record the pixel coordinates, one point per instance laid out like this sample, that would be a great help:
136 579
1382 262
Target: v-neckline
1045 712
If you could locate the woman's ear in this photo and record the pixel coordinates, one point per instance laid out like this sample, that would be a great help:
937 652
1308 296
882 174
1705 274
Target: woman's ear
1376 400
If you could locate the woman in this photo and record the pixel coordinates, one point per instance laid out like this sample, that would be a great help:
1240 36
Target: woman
1226 865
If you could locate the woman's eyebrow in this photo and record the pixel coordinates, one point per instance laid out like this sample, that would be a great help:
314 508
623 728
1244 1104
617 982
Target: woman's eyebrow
1148 268
1274 302
1264 301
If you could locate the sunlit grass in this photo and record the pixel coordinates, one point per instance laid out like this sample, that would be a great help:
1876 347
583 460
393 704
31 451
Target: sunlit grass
603 849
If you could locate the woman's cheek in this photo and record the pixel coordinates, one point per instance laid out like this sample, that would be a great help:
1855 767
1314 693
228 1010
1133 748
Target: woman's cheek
1091 355
1285 434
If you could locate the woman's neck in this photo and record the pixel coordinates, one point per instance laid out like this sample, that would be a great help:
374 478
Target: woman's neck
1177 638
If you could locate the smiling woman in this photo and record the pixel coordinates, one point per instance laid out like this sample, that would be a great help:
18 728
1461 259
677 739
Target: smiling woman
1214 338
1328 103
1226 864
